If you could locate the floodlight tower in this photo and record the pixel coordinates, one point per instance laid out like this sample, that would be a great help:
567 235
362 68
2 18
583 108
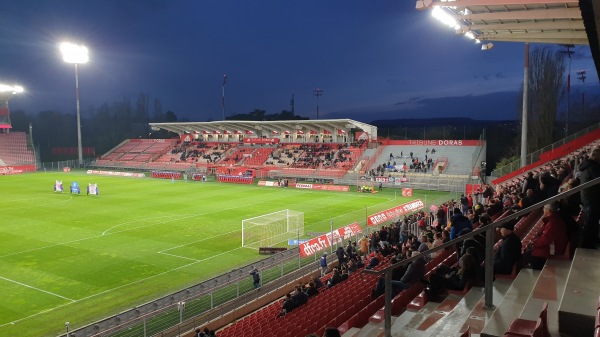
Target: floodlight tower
318 92
76 54
6 93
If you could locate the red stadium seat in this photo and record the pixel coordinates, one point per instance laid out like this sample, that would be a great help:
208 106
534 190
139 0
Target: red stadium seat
527 327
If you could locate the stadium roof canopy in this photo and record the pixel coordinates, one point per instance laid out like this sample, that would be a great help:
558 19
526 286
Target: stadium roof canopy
535 21
268 128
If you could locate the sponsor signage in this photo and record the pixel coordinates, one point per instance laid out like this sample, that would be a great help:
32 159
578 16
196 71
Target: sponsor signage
381 179
6 170
407 192
321 187
261 140
394 213
316 187
294 242
116 173
439 142
322 242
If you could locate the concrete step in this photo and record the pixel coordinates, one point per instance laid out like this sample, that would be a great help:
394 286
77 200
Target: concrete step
579 302
512 303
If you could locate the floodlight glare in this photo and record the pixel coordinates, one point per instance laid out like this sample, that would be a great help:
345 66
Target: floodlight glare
73 53
14 89
443 16
470 35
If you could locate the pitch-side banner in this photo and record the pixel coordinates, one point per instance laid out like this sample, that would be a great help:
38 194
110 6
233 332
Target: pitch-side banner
325 241
394 213
320 187
407 192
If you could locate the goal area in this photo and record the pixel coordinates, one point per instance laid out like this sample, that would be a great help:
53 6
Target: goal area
271 229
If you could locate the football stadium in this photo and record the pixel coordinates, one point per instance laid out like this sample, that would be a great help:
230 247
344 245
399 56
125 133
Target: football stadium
304 227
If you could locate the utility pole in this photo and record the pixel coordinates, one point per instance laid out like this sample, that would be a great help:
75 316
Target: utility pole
223 96
582 78
318 92
569 52
292 105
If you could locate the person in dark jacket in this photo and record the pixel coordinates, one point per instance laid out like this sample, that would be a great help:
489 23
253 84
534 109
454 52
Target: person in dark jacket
459 222
414 272
509 252
590 200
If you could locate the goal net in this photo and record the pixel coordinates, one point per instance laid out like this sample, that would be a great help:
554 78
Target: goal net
270 229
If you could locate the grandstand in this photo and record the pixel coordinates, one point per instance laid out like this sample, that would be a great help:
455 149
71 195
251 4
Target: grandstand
410 312
16 149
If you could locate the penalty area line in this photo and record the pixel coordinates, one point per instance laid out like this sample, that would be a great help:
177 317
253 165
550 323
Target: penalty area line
38 289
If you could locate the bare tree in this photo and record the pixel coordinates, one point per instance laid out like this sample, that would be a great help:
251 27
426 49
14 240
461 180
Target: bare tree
546 89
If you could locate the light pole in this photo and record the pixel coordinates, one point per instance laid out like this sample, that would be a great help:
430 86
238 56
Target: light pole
318 92
76 54
569 52
223 94
67 324
582 78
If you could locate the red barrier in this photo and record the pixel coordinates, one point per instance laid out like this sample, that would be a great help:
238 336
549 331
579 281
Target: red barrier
553 154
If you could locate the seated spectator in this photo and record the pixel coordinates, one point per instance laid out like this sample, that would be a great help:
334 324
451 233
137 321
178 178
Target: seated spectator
287 306
379 287
374 260
551 241
332 332
509 252
317 282
414 273
335 278
454 278
437 241
312 289
299 297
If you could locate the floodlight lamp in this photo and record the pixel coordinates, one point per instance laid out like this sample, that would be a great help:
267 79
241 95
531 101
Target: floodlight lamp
470 35
73 53
487 46
14 89
442 15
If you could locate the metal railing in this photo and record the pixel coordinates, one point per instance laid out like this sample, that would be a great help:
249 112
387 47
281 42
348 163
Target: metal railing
205 302
535 156
489 253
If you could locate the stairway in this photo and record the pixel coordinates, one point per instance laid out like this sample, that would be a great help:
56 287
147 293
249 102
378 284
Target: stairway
569 287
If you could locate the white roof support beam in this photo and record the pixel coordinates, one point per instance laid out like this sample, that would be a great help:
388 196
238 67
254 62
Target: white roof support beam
546 25
531 14
471 3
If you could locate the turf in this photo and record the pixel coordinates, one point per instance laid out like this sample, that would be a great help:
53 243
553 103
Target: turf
81 258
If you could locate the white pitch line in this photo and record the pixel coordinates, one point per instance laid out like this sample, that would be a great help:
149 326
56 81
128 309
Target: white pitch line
179 256
121 286
38 289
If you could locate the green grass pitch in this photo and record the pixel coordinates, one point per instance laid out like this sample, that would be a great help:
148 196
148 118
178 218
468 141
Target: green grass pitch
81 258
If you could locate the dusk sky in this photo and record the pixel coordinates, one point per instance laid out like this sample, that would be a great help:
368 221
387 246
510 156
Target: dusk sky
373 59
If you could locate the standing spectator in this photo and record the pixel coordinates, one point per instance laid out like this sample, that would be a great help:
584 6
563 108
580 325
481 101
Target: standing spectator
364 246
590 200
459 223
341 255
255 277
323 264
464 203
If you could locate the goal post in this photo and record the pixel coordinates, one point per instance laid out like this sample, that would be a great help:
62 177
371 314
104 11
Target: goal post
271 229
